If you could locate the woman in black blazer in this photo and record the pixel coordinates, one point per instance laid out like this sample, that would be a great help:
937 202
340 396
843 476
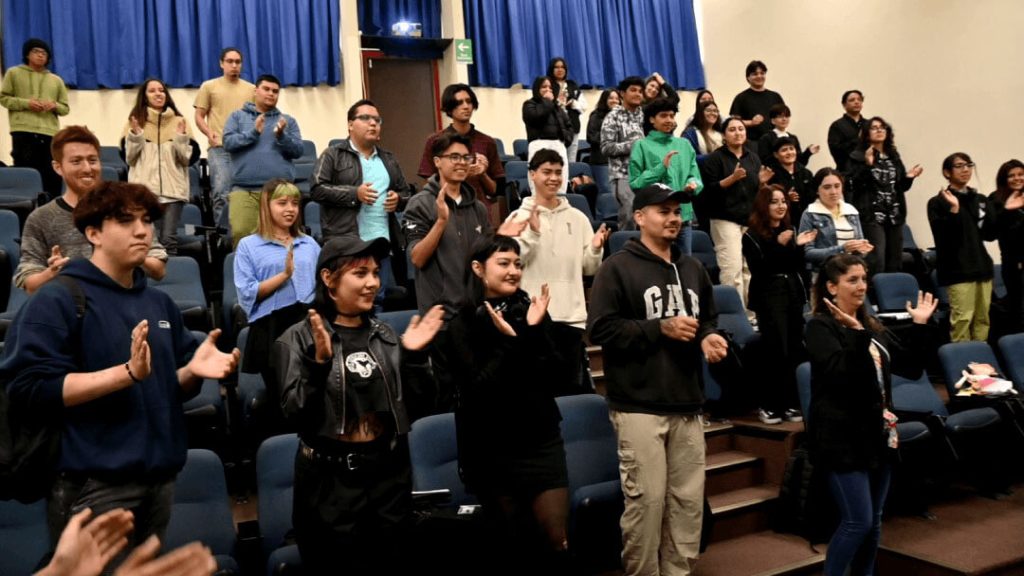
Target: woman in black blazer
852 428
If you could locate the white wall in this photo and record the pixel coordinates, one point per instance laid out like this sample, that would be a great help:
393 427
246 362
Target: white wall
943 72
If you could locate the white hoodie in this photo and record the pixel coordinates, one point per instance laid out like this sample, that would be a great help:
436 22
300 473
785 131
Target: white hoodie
560 255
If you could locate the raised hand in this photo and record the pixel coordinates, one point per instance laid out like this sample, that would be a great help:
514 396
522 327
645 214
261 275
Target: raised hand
209 362
814 148
442 204
600 237
512 228
842 317
190 560
926 305
785 236
714 347
138 362
538 306
806 237
134 122
499 320
56 261
869 156
915 171
85 546
421 331
534 219
259 123
765 174
951 199
668 158
321 339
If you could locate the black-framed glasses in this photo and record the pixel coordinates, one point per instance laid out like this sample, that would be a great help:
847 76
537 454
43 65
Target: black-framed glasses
369 117
460 158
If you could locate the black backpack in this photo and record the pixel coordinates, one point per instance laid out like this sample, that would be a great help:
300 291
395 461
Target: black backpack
804 506
29 444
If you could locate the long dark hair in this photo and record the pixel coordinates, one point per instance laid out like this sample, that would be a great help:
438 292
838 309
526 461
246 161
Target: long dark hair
141 104
889 146
1003 180
700 122
831 270
602 102
760 219
482 250
825 172
538 81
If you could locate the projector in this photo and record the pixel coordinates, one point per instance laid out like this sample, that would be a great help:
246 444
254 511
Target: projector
403 28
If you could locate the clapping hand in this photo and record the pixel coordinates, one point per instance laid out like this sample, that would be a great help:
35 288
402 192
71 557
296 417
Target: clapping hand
499 320
181 126
951 199
538 306
926 304
714 347
138 362
785 236
765 174
915 171
842 317
421 331
134 122
442 204
321 338
209 362
806 237
600 237
258 124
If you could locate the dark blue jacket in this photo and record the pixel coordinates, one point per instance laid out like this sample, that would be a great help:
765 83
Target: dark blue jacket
134 433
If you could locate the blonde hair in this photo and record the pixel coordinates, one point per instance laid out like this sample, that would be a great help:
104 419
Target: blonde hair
277 187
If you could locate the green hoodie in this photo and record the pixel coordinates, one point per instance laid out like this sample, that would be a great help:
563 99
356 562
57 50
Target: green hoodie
646 165
22 84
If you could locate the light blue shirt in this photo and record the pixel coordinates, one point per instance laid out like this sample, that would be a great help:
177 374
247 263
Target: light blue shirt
372 219
257 259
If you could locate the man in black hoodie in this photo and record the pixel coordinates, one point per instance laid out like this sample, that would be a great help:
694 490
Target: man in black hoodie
652 311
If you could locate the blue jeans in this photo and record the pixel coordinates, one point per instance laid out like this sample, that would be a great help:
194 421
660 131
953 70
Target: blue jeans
685 239
221 177
387 280
859 495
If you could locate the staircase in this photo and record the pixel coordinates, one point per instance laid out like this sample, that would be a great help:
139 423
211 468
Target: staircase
745 465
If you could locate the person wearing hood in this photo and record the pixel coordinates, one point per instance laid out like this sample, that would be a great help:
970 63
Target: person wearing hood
559 248
34 98
653 313
109 359
263 142
158 148
547 123
662 157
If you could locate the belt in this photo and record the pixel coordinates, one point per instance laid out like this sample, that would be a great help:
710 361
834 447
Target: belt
350 461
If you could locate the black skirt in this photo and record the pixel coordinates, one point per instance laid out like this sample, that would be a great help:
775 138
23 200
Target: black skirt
506 469
264 331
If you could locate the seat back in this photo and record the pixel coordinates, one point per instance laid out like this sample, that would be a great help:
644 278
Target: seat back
607 208
1012 348
732 316
109 173
183 283
579 202
955 356
520 148
590 442
517 170
275 482
398 319
579 168
617 240
435 457
24 536
703 249
335 141
110 157
803 389
916 395
228 298
10 237
600 172
893 290
311 217
202 506
20 188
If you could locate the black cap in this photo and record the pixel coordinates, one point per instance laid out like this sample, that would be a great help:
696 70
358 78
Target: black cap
658 193
350 245
33 43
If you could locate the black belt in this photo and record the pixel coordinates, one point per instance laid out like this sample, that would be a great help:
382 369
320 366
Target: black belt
350 461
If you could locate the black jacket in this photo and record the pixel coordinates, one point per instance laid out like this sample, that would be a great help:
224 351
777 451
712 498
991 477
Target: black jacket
1010 232
846 427
843 136
800 180
771 262
312 394
735 202
862 188
546 120
594 136
336 178
960 254
634 290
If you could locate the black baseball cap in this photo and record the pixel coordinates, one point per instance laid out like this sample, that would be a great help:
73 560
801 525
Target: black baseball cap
351 245
657 194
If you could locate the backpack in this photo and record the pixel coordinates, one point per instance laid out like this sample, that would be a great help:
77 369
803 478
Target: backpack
805 507
29 445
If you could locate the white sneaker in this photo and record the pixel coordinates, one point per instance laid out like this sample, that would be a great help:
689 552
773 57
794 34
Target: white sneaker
768 417
793 415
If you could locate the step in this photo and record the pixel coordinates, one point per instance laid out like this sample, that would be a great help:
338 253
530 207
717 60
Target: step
763 553
731 470
596 356
742 511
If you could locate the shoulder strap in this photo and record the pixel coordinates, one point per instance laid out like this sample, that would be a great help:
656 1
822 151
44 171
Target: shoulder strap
77 294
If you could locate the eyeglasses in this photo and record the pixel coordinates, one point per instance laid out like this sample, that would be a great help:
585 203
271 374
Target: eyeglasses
370 118
962 165
877 129
38 51
460 158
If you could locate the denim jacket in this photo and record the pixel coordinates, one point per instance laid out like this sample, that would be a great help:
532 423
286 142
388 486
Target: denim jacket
825 243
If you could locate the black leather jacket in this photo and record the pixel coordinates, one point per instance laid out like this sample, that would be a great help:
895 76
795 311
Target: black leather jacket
336 178
312 394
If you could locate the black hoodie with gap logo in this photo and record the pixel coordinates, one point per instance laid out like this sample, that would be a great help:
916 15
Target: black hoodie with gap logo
634 290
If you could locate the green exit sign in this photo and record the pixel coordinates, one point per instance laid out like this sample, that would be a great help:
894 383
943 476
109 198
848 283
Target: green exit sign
464 51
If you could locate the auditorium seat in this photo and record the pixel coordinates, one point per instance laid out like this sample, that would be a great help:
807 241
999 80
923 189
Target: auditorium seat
1012 348
275 482
202 509
24 536
435 458
703 249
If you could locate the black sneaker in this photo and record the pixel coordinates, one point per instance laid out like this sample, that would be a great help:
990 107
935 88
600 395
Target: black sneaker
793 415
768 417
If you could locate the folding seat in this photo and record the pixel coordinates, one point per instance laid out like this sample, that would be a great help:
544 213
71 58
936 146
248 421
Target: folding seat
110 156
311 218
202 509
24 536
275 484
520 147
1012 348
20 189
183 283
703 249
617 240
435 459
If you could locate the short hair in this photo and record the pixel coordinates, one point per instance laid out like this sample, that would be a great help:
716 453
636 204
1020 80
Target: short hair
784 141
114 199
445 140
628 81
754 66
33 43
480 251
68 135
730 120
268 78
657 106
947 163
545 156
265 225
820 175
352 109
224 53
831 270
847 95
778 110
448 101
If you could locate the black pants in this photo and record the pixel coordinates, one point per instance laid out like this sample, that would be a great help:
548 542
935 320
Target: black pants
352 507
888 242
781 322
31 150
568 341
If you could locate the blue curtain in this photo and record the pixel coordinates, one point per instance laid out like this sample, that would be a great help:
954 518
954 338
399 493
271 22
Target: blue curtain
377 16
603 41
116 43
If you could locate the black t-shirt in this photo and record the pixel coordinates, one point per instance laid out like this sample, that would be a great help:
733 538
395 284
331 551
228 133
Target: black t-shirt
365 388
750 103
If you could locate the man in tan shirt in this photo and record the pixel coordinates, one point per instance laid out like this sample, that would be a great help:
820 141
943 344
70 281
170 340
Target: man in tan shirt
216 100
